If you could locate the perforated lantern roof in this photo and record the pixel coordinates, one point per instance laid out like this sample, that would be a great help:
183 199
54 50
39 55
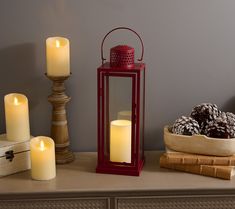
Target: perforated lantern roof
122 56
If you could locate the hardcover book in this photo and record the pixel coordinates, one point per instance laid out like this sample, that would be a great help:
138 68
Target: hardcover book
223 172
195 159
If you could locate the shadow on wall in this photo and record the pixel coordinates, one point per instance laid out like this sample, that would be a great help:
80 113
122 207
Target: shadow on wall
154 138
229 106
18 74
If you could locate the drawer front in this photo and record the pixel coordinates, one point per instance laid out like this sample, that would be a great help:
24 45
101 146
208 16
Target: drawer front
95 203
175 202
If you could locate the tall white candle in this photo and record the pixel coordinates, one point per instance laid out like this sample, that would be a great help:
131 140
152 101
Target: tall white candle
42 151
57 52
120 141
17 117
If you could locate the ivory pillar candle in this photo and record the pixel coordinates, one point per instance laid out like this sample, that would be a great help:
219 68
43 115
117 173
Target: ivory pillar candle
120 141
42 151
17 117
58 55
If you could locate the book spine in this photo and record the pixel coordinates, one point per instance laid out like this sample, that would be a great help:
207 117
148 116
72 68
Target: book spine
199 160
206 170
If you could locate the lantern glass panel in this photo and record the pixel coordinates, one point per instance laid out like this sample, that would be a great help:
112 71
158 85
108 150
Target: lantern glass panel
142 95
105 117
118 125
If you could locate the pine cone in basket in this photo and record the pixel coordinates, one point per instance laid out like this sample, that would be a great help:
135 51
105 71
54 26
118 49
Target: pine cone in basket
231 121
186 126
224 123
222 127
205 113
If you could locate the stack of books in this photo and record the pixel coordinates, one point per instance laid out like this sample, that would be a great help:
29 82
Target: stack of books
218 167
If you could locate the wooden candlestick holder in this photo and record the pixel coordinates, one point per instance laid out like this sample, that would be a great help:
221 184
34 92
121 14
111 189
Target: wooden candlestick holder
59 126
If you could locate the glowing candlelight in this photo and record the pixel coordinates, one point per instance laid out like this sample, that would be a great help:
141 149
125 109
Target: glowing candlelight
120 141
57 52
42 151
17 117
42 146
57 43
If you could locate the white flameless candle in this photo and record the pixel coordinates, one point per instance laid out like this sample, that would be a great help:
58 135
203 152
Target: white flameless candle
120 141
42 151
17 117
57 51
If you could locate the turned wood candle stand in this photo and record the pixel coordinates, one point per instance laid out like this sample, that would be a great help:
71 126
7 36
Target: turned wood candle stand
59 126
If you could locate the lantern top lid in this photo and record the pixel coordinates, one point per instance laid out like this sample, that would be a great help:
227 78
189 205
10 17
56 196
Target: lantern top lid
122 48
122 56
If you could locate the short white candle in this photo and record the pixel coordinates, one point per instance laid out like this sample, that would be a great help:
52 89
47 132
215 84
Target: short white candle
42 151
57 52
120 141
17 117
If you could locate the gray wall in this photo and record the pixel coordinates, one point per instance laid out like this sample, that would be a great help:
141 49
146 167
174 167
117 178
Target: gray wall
190 56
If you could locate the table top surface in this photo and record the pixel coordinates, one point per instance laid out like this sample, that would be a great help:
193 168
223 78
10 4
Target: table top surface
80 176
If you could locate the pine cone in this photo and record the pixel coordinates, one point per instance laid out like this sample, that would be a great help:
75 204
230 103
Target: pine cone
230 118
186 126
219 128
231 121
205 113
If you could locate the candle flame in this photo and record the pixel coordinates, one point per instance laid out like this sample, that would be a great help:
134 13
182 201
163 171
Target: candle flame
16 102
57 43
42 145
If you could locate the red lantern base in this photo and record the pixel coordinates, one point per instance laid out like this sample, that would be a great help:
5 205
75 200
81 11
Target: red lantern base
120 170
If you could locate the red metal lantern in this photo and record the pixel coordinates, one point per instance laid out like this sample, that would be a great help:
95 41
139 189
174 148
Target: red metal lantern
121 101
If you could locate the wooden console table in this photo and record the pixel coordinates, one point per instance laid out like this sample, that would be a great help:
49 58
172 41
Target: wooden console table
78 186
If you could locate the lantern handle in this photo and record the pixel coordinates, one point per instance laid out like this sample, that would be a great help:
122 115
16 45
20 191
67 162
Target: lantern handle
121 28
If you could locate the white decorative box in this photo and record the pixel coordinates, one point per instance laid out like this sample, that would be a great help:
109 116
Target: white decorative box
14 156
199 144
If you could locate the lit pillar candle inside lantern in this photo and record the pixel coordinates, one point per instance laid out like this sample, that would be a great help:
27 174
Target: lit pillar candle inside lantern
120 141
17 117
42 151
57 52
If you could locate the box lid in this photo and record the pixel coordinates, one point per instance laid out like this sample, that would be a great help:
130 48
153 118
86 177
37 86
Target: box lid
9 147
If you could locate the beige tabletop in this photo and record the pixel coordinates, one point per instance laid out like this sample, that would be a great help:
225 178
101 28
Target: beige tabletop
80 177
